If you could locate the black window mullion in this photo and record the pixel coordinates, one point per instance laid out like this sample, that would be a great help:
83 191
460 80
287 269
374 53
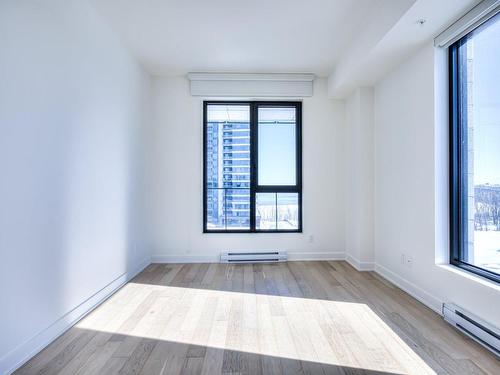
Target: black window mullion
277 189
253 163
300 211
454 156
205 187
276 209
298 148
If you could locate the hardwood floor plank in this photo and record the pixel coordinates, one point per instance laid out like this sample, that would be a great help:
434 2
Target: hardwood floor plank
67 354
96 344
96 362
113 365
192 366
138 358
48 354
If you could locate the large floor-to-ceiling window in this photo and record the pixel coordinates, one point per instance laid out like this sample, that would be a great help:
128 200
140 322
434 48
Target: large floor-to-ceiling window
252 167
475 150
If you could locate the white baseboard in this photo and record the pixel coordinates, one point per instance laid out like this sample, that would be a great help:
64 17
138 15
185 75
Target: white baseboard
416 292
185 258
319 255
24 352
202 258
358 265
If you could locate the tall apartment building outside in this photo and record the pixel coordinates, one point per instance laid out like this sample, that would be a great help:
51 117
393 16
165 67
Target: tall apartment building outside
228 174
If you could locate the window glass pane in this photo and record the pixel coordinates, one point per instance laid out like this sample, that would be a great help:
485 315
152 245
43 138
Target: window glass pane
228 166
288 210
265 205
479 60
215 209
228 146
228 209
238 208
276 146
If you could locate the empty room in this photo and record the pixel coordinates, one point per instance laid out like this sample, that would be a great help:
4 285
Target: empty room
249 187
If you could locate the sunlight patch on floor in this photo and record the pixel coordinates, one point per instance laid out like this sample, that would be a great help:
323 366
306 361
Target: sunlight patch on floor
324 331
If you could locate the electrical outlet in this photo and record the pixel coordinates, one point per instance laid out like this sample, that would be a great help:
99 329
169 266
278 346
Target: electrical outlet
409 262
311 238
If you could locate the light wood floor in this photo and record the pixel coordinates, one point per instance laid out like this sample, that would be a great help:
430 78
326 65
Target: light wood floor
286 318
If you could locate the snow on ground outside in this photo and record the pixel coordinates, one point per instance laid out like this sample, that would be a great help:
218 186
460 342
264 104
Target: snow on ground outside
487 250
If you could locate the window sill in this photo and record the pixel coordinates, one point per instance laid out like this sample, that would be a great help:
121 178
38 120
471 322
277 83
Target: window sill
470 276
206 231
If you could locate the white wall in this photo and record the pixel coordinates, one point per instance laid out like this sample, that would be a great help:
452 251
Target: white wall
359 178
175 145
72 103
411 186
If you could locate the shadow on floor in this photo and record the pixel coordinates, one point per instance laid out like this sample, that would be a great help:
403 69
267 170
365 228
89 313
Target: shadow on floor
290 279
82 351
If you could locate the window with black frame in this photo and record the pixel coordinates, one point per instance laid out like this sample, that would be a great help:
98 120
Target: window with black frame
474 63
252 167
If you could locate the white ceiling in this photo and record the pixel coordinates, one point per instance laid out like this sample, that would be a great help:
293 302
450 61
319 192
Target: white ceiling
372 57
173 37
353 42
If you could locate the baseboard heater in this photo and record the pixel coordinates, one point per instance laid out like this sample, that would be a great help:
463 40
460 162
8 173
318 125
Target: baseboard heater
477 329
253 257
